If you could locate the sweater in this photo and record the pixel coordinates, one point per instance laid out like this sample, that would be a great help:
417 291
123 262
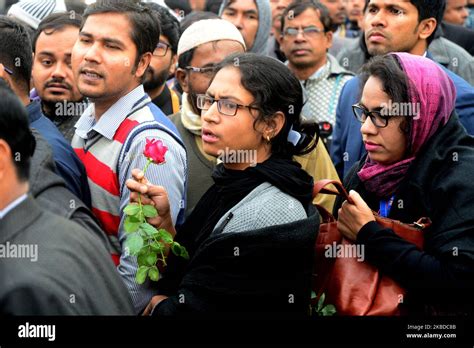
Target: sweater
257 262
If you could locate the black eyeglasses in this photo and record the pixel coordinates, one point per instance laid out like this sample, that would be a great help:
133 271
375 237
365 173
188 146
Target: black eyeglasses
161 49
10 72
361 113
310 31
207 71
225 106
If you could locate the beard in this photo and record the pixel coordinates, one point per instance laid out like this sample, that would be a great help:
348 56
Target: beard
154 79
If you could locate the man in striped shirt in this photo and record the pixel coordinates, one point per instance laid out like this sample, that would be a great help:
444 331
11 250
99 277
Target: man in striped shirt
109 61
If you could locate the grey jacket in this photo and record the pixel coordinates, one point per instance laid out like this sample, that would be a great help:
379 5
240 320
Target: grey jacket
65 270
445 52
265 206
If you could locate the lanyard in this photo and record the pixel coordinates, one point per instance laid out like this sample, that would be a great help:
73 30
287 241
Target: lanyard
385 206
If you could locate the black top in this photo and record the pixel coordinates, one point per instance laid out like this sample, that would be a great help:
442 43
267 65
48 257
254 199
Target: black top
438 185
164 101
461 36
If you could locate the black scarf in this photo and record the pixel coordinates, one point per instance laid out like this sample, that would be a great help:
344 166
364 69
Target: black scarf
230 187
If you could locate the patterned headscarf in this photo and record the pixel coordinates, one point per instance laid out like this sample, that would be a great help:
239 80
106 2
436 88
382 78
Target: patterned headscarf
430 88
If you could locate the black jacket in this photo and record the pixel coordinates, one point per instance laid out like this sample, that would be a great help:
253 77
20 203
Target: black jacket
269 276
439 185
462 36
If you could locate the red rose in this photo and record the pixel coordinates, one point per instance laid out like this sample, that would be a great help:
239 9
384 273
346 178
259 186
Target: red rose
155 150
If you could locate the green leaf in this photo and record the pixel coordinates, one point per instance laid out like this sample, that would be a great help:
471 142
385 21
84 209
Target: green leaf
131 225
313 294
321 301
141 258
165 236
151 259
176 249
154 274
157 247
184 253
131 209
134 243
149 229
141 274
150 211
328 310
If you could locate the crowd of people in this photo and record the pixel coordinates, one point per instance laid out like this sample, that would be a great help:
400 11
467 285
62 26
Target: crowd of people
255 101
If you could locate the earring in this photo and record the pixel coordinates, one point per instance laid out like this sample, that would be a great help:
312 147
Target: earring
268 138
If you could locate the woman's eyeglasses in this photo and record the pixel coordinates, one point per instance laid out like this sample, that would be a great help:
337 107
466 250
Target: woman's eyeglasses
225 107
361 113
161 49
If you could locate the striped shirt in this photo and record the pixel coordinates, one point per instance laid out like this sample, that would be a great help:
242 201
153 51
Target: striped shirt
110 148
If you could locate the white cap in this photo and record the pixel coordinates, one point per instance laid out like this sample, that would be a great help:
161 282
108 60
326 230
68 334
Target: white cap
32 12
208 30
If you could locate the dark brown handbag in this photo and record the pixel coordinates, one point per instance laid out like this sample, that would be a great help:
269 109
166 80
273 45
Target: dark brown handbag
355 287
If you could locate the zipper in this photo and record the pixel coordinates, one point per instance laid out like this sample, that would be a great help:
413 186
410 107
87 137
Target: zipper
226 221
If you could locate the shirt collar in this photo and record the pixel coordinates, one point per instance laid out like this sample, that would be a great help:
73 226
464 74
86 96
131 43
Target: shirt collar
110 121
12 205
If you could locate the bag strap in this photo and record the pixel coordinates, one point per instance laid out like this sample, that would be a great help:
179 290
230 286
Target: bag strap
320 187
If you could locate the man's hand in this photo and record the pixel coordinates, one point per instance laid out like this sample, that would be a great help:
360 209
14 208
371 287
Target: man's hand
154 301
353 216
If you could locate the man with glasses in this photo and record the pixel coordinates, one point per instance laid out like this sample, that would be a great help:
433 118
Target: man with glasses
202 45
163 63
306 37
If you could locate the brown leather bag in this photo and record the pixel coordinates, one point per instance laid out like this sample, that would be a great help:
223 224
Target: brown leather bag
352 286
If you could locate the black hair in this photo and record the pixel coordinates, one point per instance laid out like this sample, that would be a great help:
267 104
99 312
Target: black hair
55 22
145 31
297 7
76 6
182 6
274 88
394 80
15 130
213 6
169 25
194 17
430 9
15 51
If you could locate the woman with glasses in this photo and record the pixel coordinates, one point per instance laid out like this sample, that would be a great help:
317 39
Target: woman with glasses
419 163
251 236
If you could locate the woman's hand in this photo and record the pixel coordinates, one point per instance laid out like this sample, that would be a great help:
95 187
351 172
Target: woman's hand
353 216
152 195
154 301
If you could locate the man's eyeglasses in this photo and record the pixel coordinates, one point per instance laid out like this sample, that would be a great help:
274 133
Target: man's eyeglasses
310 31
361 113
161 49
225 107
207 71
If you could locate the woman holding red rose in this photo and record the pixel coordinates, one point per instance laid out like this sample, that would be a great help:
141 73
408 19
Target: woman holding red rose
250 238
